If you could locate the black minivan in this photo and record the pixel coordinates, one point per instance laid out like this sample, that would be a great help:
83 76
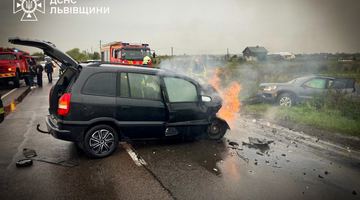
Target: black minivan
96 105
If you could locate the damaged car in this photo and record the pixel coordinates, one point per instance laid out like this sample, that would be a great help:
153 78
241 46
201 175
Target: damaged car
97 105
304 88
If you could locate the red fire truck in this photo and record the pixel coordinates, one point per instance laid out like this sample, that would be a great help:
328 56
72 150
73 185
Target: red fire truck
14 65
126 53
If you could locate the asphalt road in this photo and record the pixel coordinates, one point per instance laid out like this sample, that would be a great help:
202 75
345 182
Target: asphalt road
293 166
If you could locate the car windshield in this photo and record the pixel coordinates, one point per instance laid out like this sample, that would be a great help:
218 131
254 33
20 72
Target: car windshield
135 54
7 56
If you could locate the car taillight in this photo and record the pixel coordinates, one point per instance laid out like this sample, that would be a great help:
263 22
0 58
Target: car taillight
64 104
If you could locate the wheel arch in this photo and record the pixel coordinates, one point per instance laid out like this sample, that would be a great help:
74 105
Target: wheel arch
279 93
110 123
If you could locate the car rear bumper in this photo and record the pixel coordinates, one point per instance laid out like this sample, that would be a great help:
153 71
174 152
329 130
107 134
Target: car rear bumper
62 132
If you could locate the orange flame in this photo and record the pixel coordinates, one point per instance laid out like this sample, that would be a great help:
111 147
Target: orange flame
230 95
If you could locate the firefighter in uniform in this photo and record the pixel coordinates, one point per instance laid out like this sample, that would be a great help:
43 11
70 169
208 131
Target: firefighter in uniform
198 70
146 60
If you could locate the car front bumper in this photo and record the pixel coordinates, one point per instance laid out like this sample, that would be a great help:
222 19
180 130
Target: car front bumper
267 97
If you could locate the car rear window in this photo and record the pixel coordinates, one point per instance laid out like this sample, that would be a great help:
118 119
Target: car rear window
101 84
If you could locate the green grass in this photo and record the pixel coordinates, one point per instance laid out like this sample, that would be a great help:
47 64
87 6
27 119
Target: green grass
331 120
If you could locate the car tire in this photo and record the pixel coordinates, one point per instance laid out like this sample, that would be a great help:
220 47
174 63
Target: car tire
100 141
16 80
216 130
286 100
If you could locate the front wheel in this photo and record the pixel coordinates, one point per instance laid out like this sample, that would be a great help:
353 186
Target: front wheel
217 129
100 141
286 100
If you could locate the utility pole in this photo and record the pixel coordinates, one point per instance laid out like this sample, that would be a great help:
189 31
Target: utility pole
172 51
100 46
227 54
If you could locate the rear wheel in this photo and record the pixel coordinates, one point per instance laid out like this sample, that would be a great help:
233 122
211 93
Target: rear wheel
216 130
100 141
286 99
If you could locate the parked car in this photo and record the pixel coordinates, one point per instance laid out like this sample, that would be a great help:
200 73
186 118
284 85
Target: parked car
95 105
303 88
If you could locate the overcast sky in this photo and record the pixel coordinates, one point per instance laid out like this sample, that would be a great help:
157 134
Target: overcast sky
198 26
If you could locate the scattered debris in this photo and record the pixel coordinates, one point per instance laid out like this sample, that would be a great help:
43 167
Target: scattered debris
24 163
189 165
215 169
317 140
64 163
320 176
243 157
326 172
283 154
261 144
254 120
259 153
255 163
304 173
274 130
231 143
29 153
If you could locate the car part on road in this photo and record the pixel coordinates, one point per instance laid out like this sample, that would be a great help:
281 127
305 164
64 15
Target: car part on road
261 144
41 131
29 153
24 163
64 163
100 141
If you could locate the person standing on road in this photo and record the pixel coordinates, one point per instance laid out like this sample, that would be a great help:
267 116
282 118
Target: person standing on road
49 70
39 71
32 72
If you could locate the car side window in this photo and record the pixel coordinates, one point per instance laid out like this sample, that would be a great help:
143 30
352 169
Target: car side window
124 85
101 84
144 86
180 90
317 83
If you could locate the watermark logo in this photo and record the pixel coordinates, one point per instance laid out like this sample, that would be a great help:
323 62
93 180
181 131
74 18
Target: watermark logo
28 8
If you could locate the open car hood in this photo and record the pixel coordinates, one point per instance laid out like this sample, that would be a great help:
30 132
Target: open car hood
49 49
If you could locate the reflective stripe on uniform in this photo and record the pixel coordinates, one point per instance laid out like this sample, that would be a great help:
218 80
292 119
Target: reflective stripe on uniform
2 111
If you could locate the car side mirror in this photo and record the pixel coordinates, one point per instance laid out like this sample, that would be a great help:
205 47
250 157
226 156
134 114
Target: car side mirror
206 99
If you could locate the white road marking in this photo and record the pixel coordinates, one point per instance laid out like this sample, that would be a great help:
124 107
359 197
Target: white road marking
11 91
136 158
